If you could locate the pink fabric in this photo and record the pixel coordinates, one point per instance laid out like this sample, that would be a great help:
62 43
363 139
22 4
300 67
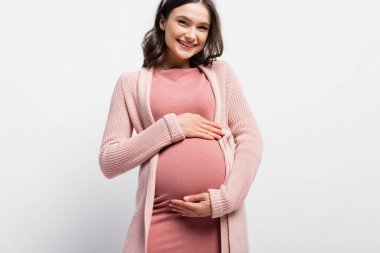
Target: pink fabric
242 146
190 166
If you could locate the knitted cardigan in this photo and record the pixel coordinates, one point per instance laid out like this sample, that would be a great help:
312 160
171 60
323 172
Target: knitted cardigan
242 146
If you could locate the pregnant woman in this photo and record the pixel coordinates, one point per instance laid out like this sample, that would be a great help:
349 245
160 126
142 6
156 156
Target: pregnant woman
187 167
197 142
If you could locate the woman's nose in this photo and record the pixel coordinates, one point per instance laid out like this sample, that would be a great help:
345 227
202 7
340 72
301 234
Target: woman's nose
191 34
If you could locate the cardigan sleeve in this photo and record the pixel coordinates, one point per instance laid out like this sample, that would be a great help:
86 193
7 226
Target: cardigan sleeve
248 151
119 151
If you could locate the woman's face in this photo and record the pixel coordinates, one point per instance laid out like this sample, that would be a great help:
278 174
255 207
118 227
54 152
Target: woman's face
188 24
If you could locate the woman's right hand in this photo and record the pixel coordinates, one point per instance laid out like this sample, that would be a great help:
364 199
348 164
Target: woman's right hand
194 125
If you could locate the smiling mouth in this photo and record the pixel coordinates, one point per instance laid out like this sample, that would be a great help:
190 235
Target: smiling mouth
186 45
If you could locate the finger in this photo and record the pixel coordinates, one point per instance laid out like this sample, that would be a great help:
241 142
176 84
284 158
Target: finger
196 197
176 210
181 210
182 207
205 134
212 123
214 130
178 204
176 201
190 205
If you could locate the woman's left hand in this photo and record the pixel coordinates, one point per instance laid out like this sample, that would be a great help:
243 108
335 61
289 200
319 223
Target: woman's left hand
198 205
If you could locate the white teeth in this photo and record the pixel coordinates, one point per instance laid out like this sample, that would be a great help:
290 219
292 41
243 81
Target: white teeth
185 44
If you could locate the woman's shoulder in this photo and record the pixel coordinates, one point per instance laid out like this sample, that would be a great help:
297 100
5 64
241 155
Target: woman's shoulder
130 74
126 78
221 66
218 62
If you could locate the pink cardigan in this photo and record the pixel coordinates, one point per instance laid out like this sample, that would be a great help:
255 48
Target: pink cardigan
242 146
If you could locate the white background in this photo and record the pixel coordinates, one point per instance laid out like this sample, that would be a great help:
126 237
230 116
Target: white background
310 70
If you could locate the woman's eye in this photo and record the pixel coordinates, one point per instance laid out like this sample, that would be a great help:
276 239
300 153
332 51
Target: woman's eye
184 22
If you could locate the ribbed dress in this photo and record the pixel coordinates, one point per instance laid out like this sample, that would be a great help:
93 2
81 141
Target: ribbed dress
187 167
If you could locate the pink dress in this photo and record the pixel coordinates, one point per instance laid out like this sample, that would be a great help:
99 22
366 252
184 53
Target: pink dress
190 166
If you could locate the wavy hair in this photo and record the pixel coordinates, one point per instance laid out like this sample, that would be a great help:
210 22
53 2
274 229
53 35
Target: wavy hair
154 45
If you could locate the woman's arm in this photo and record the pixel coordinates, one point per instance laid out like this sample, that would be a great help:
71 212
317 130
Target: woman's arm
249 148
119 151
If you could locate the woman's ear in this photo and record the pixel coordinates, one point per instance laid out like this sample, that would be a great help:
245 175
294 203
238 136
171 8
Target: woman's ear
162 23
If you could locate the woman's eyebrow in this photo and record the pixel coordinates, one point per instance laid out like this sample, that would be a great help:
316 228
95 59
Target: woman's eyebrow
184 17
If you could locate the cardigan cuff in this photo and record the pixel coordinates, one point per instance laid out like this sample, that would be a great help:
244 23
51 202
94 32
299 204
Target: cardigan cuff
216 203
174 127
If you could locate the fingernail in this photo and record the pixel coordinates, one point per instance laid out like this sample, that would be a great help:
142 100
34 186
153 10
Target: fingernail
186 198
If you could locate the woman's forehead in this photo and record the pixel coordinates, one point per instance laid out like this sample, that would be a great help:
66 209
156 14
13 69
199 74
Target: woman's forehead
194 12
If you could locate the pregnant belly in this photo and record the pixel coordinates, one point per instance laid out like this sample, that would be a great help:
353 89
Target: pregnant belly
188 167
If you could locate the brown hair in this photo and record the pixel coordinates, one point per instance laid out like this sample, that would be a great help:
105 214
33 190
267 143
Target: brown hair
154 45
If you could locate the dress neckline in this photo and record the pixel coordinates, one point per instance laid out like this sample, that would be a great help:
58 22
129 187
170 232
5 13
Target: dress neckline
175 70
